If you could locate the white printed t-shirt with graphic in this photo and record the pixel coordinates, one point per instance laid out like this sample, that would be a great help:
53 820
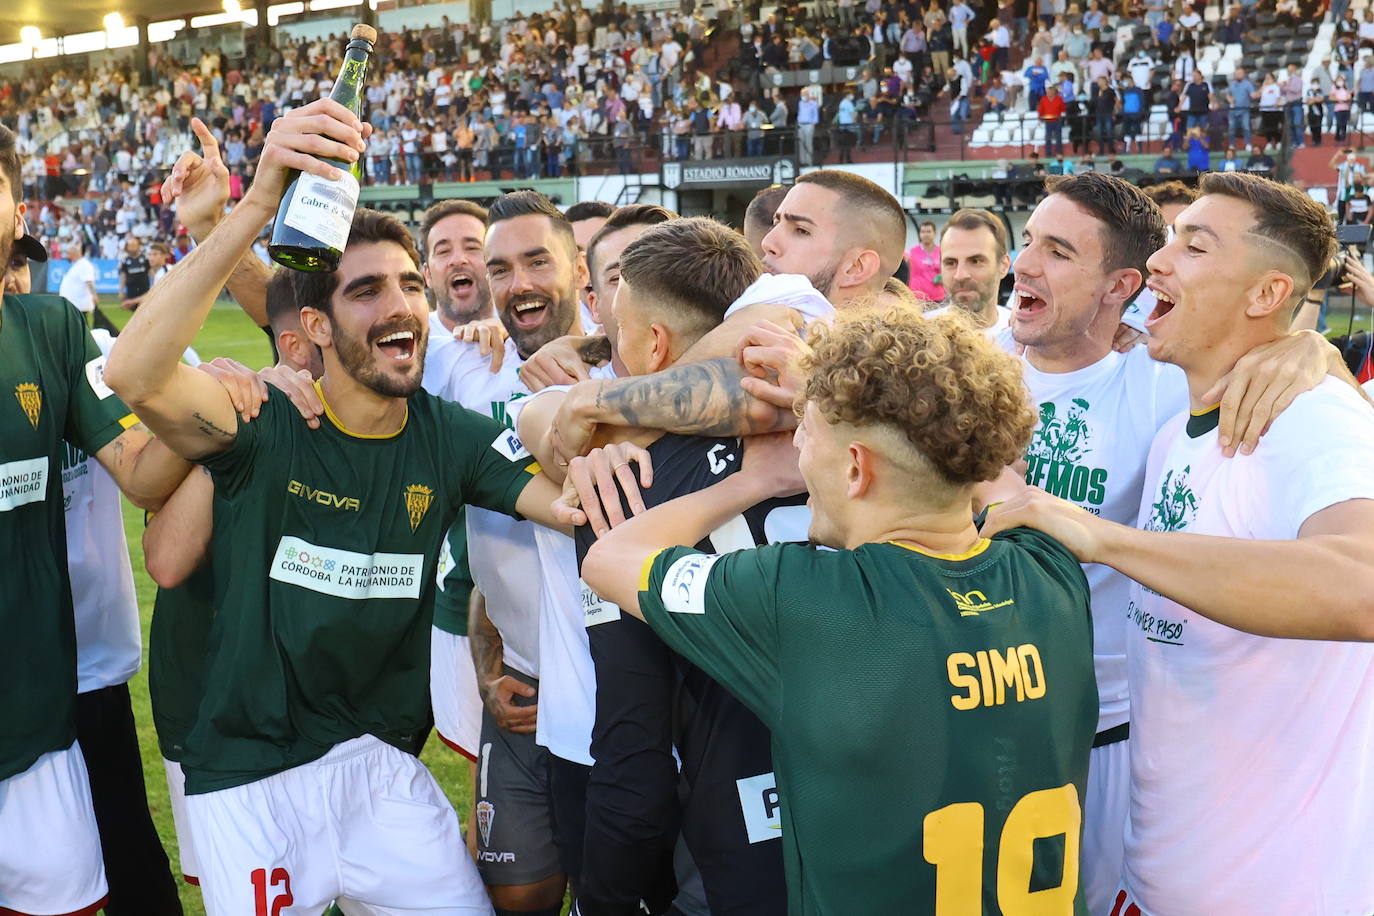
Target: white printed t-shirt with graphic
1090 447
1251 756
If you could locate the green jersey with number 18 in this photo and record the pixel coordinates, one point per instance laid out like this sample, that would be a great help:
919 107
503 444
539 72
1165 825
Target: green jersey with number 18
931 715
322 631
51 389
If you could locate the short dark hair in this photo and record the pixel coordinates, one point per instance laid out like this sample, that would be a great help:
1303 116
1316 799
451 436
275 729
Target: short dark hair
1132 224
162 247
874 207
444 209
765 204
9 162
691 269
531 203
1284 215
589 209
316 290
926 222
971 220
281 300
1171 192
630 215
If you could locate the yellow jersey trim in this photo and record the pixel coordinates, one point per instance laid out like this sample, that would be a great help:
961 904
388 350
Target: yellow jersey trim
128 422
645 569
338 424
972 552
533 468
1204 411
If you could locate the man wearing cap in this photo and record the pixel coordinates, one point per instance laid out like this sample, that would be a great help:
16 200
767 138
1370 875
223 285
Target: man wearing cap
50 850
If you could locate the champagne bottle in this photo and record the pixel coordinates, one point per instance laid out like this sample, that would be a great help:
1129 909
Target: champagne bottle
315 214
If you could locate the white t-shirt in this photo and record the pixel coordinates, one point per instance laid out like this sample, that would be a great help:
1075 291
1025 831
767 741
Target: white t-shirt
1251 757
998 326
108 641
567 677
1090 447
75 287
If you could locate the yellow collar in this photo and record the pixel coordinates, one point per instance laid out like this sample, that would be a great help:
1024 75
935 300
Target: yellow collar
338 424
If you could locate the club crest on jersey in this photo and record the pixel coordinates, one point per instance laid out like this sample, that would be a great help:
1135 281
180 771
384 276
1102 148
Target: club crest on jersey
31 399
971 604
418 498
486 813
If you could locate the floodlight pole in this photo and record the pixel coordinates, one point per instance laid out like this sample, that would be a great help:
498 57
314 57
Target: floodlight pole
145 74
262 39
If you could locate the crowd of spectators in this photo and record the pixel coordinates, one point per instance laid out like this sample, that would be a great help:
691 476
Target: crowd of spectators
546 95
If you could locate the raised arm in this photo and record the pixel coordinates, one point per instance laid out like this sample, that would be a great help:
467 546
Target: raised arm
200 187
189 410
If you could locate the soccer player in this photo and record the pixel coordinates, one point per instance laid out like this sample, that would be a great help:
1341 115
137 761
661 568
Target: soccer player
930 692
841 231
677 281
1082 261
177 548
534 271
50 852
586 218
316 689
973 261
1252 716
451 237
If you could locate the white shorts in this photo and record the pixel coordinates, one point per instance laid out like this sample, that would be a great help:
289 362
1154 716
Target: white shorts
453 692
366 824
1104 824
176 789
50 859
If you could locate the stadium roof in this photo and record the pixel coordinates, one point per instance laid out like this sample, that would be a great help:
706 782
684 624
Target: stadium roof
67 17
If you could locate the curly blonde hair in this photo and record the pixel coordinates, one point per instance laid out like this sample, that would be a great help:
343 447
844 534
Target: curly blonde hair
939 382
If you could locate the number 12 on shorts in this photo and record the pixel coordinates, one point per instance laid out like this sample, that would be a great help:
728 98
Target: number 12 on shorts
952 841
280 898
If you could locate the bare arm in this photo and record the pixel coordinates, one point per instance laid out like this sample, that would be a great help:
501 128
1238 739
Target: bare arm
497 688
177 538
145 468
200 187
189 410
701 399
1315 587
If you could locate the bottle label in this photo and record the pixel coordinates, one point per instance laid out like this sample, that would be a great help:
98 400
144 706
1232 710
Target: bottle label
323 209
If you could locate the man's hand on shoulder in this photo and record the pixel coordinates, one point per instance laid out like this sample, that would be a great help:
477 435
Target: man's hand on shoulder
564 361
490 336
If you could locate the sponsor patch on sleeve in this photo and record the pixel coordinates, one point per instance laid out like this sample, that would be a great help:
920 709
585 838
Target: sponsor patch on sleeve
95 377
509 445
684 588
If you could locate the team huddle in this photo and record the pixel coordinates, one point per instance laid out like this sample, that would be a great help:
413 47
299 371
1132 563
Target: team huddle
747 582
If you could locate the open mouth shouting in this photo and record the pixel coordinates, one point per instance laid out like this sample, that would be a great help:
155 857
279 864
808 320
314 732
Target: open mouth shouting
529 312
1027 304
461 284
400 346
1164 304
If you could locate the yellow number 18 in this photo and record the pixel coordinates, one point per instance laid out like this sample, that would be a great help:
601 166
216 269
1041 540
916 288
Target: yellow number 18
952 841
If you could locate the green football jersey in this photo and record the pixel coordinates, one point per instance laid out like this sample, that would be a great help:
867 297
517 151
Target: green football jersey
322 630
178 642
52 389
454 581
931 716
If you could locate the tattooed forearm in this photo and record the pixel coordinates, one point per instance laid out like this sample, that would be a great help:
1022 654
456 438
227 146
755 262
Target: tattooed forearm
594 350
702 399
210 428
485 638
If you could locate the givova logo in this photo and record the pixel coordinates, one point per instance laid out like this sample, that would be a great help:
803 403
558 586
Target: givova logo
1056 458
